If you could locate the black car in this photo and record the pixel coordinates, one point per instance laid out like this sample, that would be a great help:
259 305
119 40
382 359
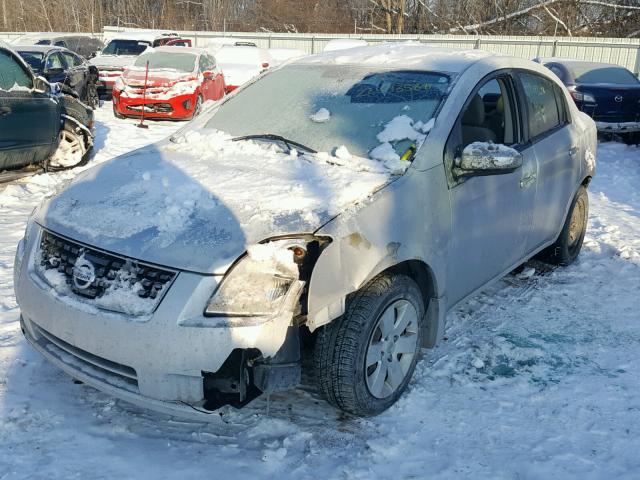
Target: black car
39 124
610 94
84 45
59 65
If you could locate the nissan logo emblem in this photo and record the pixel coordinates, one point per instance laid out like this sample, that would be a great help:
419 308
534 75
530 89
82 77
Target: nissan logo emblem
84 273
618 98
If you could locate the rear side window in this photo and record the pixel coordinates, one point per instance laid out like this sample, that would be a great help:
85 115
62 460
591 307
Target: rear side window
54 61
543 112
12 74
72 60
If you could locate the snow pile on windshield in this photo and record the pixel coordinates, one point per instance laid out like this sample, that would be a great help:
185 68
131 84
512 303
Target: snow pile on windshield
321 116
400 128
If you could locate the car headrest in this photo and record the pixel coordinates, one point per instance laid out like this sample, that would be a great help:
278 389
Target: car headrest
474 114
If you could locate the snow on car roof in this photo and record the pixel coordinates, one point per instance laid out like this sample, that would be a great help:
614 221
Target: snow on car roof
176 49
142 36
242 55
38 48
403 55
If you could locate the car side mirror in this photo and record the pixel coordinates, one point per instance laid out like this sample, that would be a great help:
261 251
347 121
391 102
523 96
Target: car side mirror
208 74
480 158
40 84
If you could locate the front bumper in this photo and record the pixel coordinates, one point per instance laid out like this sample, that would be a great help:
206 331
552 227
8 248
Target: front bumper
621 127
180 107
157 361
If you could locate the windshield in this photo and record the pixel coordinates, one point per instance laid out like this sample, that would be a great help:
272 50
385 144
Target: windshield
125 47
371 113
182 62
602 74
34 59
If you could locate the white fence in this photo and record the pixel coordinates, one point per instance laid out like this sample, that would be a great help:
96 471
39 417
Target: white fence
621 51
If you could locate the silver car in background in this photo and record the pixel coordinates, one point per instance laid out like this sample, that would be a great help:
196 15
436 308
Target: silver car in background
339 205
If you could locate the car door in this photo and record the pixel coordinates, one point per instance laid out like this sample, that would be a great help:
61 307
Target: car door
217 90
554 140
29 120
491 214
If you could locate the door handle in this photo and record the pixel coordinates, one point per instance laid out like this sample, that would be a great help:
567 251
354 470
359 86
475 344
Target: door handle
573 150
527 181
5 111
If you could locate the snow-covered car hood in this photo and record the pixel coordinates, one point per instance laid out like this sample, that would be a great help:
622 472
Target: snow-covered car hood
198 204
156 77
106 61
237 74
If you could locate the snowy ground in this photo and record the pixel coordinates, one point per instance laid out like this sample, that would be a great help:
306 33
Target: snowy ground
538 377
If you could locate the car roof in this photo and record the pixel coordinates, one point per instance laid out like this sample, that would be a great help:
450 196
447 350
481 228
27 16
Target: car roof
143 36
409 55
40 48
177 49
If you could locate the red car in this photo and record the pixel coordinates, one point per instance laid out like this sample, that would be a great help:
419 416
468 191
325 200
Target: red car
180 79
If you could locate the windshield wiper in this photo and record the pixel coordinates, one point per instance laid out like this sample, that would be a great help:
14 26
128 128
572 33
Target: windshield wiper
277 138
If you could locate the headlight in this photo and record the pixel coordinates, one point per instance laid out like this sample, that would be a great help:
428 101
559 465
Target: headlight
28 231
259 284
119 84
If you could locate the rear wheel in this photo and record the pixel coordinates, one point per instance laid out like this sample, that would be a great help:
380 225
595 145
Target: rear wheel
363 361
568 245
72 150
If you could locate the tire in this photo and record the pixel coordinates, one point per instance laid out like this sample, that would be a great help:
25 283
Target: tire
116 114
71 152
198 108
568 245
344 358
92 96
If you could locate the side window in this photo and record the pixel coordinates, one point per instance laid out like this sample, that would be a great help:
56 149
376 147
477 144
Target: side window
12 73
490 116
71 59
54 61
543 112
60 43
212 62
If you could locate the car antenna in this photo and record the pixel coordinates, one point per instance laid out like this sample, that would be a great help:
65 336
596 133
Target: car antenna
144 97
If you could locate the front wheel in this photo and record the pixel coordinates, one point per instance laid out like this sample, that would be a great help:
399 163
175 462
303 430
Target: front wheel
568 245
198 107
72 150
364 360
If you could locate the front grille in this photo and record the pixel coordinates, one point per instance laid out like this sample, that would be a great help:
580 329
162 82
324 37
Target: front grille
91 273
116 374
152 107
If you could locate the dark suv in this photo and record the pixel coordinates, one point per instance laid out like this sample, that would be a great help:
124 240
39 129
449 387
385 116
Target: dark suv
61 65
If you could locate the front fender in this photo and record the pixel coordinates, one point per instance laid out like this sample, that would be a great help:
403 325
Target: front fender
409 220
